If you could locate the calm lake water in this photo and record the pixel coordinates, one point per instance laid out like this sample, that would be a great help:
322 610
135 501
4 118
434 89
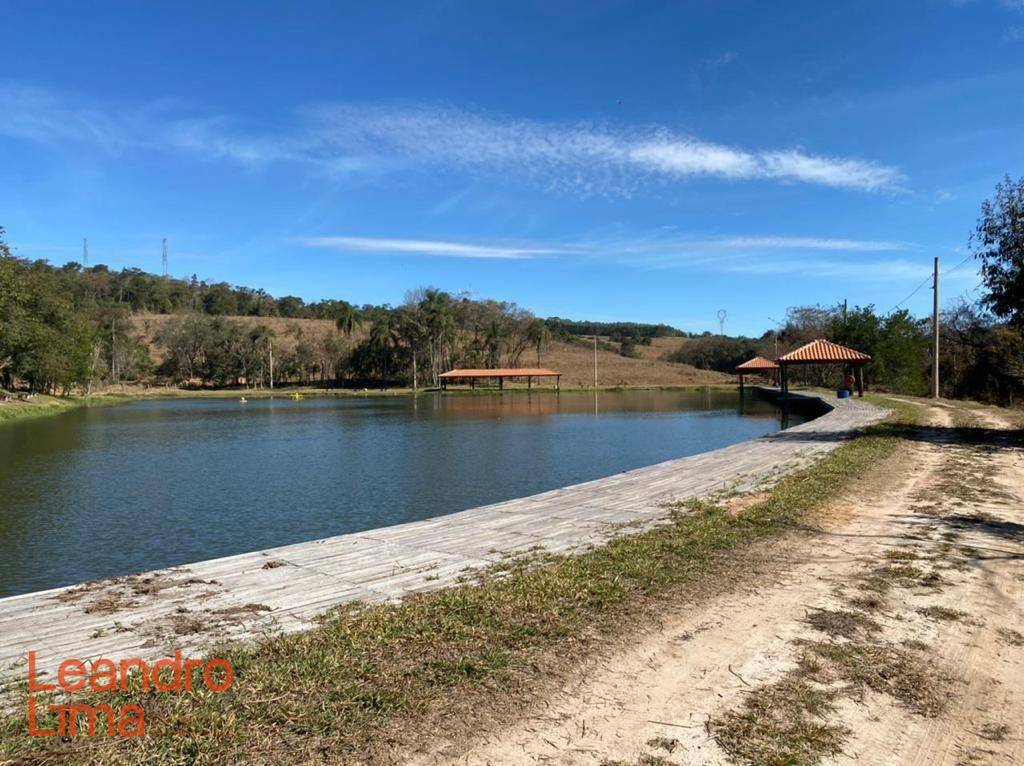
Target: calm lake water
106 491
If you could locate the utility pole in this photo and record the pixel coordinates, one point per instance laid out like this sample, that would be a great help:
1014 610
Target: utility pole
85 252
165 256
935 330
595 361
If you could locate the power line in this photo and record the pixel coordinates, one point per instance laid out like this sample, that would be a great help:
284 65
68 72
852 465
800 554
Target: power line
927 279
912 294
954 268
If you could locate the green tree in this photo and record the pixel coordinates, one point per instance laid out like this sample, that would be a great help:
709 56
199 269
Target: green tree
538 336
998 241
346 318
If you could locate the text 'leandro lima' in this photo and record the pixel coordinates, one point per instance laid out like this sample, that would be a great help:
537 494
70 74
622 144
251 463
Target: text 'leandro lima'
69 719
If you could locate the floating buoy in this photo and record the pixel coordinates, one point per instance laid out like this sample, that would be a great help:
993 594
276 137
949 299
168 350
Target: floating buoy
243 400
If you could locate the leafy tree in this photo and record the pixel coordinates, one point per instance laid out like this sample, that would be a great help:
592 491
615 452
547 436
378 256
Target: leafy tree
998 241
346 318
538 336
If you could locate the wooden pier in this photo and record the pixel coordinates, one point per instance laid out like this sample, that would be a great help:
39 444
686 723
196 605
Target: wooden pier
284 589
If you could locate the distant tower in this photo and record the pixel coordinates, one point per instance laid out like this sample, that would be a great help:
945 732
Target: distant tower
165 256
85 252
721 321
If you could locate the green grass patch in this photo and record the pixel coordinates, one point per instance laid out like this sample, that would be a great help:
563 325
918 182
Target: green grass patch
44 406
369 681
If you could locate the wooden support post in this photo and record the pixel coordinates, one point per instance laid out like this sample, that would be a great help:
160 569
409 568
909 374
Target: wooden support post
501 384
858 376
784 374
472 384
529 382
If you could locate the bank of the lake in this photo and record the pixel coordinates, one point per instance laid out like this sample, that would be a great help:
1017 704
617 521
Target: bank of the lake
42 405
213 476
510 632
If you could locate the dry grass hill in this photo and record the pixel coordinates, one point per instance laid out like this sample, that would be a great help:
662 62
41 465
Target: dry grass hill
574 360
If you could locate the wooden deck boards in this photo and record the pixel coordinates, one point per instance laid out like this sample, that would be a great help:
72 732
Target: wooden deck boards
284 589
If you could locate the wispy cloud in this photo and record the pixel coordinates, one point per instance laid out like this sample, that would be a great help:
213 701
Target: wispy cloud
428 248
812 243
580 156
583 159
873 271
655 250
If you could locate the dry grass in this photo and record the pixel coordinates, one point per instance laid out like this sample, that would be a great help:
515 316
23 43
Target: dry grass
1011 636
942 613
900 673
783 724
576 363
842 624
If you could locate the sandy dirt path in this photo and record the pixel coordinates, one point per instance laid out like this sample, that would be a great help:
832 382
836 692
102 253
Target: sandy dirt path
953 503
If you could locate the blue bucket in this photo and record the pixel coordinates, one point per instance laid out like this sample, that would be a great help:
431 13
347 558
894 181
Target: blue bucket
842 394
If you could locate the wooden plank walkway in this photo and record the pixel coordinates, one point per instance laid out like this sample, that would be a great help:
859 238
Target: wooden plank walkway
284 589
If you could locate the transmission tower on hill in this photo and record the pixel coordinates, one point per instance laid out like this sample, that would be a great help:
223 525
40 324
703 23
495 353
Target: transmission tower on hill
85 252
165 257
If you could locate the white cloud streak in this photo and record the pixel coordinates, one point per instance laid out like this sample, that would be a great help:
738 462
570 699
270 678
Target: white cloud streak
427 248
649 251
811 243
582 159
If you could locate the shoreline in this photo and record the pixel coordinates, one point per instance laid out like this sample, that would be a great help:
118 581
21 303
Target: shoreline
46 405
293 584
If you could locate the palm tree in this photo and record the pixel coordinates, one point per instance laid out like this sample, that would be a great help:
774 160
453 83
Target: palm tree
347 318
436 307
539 336
413 333
384 339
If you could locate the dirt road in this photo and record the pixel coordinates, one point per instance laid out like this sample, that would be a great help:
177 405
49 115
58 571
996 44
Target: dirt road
894 634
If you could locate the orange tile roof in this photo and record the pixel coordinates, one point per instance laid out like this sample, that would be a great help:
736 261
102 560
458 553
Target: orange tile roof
823 351
501 372
757 363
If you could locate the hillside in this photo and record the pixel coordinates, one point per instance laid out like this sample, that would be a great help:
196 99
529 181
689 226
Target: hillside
575 361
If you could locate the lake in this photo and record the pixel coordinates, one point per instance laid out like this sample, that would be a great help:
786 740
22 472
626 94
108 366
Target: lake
105 491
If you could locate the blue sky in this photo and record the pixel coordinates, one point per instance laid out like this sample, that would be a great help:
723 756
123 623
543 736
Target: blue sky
643 161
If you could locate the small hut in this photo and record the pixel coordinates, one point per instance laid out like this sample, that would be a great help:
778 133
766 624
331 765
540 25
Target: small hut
757 366
821 351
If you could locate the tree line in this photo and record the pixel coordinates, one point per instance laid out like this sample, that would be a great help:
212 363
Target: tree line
71 327
64 328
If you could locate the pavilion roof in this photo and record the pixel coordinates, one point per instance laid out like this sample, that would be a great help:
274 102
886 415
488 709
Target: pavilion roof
501 372
823 351
757 363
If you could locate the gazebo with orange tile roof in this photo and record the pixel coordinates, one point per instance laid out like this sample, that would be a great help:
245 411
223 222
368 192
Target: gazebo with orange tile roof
821 351
757 366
